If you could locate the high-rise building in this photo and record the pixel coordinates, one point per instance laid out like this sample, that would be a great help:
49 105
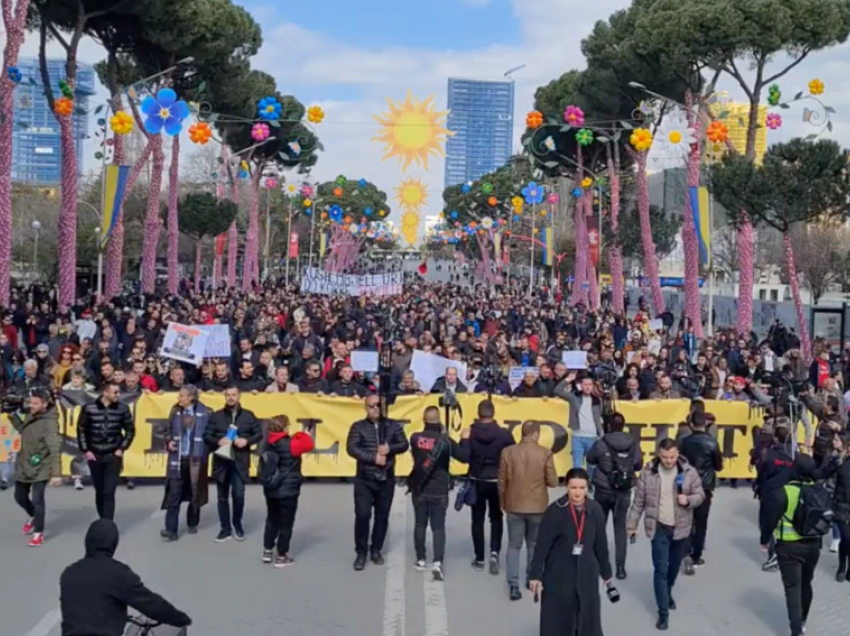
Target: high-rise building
36 152
481 117
736 117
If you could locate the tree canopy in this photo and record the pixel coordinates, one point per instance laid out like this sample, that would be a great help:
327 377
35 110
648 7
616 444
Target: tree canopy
202 215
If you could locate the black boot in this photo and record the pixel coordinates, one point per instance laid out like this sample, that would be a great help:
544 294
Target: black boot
515 593
360 563
621 573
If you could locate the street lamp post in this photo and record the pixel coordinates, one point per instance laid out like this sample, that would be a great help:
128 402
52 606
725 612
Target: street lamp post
97 231
36 228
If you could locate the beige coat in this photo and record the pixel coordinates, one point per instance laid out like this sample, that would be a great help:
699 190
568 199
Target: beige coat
647 500
526 471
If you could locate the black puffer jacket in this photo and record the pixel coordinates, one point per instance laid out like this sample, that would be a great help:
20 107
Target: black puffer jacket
105 429
289 451
842 490
703 453
601 456
362 445
487 440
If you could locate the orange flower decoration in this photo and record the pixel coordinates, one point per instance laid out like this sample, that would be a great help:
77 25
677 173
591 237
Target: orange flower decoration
473 224
492 201
717 132
337 192
63 107
534 119
200 133
324 215
347 221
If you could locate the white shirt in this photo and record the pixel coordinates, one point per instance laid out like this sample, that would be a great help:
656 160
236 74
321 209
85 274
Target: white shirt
667 505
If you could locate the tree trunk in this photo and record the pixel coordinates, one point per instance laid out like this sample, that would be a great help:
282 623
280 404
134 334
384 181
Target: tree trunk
66 249
232 240
198 249
251 259
15 25
615 256
805 342
114 264
690 241
650 260
173 226
153 224
746 263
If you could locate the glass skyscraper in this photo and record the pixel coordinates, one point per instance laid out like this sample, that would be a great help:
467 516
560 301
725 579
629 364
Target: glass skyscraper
482 118
36 153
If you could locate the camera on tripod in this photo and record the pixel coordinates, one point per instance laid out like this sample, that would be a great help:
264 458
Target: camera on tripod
448 400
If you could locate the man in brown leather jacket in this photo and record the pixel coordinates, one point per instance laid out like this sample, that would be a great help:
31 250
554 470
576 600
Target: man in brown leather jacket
525 471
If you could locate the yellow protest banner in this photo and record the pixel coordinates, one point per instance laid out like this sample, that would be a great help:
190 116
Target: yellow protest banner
329 419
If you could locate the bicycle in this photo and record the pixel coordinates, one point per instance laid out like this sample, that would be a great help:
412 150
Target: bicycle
141 626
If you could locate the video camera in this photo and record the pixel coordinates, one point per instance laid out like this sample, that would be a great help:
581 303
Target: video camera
12 402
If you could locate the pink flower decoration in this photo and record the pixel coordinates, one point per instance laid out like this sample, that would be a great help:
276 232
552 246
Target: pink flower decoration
271 182
554 198
773 121
574 116
306 191
260 132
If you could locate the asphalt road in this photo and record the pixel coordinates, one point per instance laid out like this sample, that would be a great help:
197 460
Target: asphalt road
227 590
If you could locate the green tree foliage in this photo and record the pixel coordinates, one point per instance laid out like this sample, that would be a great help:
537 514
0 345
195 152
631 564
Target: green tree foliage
356 199
202 215
508 182
665 229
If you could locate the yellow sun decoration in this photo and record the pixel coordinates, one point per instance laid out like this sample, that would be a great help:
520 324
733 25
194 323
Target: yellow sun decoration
412 130
412 194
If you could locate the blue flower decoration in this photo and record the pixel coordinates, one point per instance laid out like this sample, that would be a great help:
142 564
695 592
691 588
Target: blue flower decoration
362 183
335 213
577 192
533 193
516 218
164 111
465 188
268 108
14 74
243 174
368 211
308 211
453 214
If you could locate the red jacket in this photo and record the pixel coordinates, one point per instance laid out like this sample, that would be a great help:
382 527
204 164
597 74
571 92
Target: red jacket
301 442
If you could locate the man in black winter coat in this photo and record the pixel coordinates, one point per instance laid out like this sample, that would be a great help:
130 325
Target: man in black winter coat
487 440
617 457
703 453
231 475
346 385
432 452
373 442
105 431
95 592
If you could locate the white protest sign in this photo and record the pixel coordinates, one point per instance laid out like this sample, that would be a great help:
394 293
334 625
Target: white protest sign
365 361
575 359
517 374
185 343
428 368
317 281
218 343
656 325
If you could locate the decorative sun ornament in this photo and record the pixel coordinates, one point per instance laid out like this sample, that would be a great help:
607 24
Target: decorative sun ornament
412 131
412 194
260 132
534 119
672 143
63 107
121 123
164 112
641 139
200 133
773 121
574 116
584 137
269 108
315 115
816 87
533 193
717 132
410 226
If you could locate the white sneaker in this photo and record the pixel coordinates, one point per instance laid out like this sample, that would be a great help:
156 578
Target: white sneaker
420 566
78 484
437 571
833 547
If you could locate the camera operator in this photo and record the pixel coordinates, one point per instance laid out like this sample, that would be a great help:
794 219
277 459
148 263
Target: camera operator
829 424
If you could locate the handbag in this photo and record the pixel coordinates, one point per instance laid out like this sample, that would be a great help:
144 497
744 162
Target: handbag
467 494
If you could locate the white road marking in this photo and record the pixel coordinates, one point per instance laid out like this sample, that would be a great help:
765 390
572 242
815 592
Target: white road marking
394 610
436 612
158 514
47 623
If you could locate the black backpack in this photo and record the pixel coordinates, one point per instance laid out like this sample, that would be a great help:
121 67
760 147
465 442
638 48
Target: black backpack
269 470
813 515
623 475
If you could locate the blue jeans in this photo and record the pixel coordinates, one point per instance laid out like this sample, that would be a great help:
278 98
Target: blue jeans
667 556
580 447
228 481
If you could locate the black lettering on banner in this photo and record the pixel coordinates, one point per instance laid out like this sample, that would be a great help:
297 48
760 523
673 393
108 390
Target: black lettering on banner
560 436
660 432
309 426
728 442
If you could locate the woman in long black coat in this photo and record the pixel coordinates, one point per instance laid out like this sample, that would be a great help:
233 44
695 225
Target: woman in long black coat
567 582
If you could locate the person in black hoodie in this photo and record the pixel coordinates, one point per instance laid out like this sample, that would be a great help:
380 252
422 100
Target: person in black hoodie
428 483
346 386
231 475
617 457
703 453
373 442
487 440
282 500
95 592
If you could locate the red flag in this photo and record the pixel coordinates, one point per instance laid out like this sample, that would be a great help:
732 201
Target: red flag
220 242
423 269
293 245
593 239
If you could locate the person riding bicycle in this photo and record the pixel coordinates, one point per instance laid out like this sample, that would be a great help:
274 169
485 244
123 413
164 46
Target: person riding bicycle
95 592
